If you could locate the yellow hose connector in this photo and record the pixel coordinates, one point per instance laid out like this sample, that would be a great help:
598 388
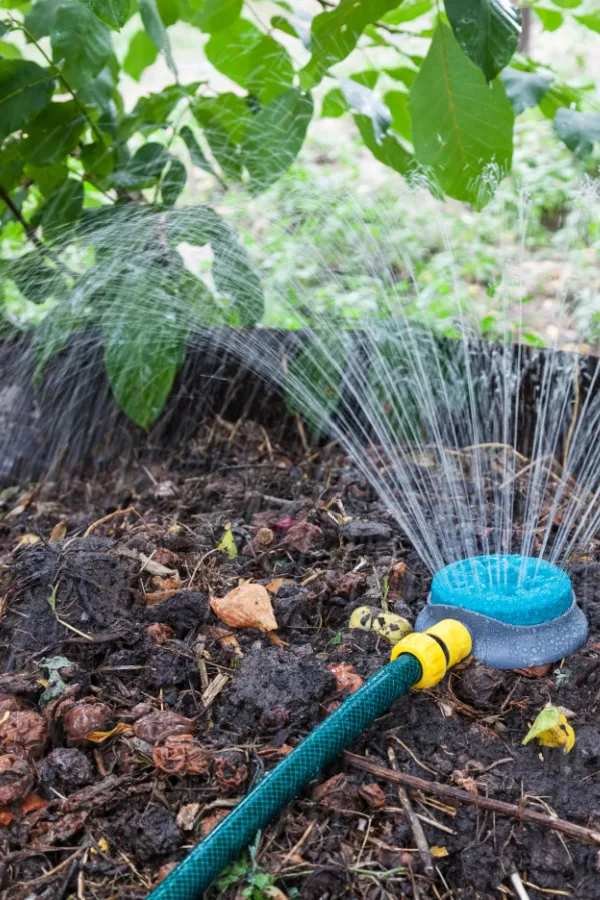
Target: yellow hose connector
427 647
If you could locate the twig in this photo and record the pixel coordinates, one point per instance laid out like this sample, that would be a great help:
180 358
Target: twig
417 828
577 832
112 515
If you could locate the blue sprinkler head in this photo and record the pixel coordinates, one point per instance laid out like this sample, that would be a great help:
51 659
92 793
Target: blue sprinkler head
520 611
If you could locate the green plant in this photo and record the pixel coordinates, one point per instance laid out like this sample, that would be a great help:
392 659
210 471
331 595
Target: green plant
86 184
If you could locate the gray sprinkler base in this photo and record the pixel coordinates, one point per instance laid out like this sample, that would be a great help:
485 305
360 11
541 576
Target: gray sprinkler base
504 646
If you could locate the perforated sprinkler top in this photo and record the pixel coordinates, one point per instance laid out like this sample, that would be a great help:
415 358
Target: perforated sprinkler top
518 590
519 611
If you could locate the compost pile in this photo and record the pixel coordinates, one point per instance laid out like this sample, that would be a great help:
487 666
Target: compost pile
137 705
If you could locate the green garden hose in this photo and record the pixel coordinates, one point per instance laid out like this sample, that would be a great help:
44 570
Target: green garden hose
422 663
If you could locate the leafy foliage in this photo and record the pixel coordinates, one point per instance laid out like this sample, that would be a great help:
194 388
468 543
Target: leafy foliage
78 166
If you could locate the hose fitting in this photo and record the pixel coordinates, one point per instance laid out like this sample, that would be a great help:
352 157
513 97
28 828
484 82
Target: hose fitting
437 649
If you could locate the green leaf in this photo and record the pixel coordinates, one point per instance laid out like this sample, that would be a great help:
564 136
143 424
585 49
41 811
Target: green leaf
9 51
156 30
255 61
114 12
407 11
97 159
558 96
274 136
198 227
235 277
335 34
567 4
362 100
334 104
173 182
144 346
579 130
388 150
224 120
397 103
462 128
404 74
81 43
36 277
11 164
142 53
296 30
54 133
169 10
590 20
487 30
143 169
39 21
550 18
62 209
25 88
196 153
217 15
524 89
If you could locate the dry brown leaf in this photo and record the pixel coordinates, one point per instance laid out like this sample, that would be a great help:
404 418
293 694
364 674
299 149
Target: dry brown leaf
187 815
98 736
274 586
273 638
246 606
59 532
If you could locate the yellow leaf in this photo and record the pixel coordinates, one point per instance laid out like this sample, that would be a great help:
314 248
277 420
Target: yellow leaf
388 625
227 543
551 729
103 845
438 852
27 540
246 606
59 532
98 736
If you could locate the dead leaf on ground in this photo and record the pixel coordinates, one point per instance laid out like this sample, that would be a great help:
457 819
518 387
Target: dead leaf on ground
98 736
373 795
28 540
274 586
187 815
246 606
535 671
167 587
179 755
346 678
58 533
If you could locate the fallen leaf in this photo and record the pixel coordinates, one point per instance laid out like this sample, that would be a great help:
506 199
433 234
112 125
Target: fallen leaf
180 756
187 815
351 583
373 795
388 625
346 679
167 586
303 537
535 671
150 565
551 729
438 852
273 638
59 532
274 586
227 543
98 736
246 606
27 540
33 802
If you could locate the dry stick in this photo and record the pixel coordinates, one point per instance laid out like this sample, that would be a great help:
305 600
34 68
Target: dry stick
112 515
529 816
417 828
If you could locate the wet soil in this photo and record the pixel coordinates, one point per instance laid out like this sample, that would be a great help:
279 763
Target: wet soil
132 718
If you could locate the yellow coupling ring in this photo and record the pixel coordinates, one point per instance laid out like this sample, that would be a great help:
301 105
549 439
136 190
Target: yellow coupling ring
439 648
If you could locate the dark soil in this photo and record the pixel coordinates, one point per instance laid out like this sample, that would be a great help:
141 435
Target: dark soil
134 727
